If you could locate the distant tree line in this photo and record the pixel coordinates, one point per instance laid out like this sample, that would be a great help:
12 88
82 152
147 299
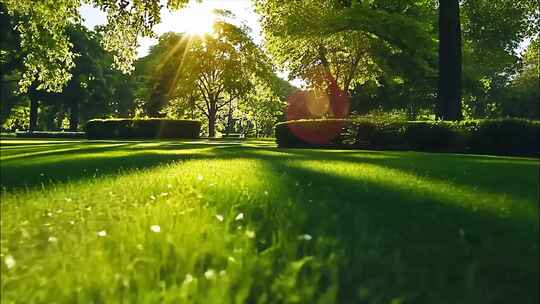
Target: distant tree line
224 79
444 59
449 58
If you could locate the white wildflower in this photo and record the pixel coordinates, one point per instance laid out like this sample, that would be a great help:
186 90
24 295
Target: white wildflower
152 197
239 217
200 177
189 278
102 233
53 240
10 261
155 228
250 234
210 274
219 217
305 237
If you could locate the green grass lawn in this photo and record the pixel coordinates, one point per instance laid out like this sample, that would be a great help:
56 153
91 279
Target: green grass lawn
223 222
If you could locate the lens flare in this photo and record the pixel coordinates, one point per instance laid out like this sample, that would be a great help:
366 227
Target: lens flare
325 102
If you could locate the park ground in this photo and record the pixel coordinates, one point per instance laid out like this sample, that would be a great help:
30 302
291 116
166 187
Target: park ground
246 222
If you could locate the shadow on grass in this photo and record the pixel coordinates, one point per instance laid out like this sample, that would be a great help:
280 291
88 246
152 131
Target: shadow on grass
399 243
84 162
381 242
502 175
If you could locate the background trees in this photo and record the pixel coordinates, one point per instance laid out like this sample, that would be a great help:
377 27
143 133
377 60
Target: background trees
383 54
213 76
402 44
94 88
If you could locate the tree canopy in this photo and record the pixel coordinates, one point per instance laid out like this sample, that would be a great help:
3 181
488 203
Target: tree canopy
382 54
49 54
207 75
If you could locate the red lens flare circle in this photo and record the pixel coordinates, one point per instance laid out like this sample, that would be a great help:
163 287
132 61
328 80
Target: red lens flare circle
329 102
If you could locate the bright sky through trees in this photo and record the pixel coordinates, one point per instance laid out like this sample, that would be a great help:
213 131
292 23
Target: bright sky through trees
194 19
184 20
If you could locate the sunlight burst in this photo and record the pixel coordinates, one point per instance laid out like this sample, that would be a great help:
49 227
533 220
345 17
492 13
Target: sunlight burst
197 19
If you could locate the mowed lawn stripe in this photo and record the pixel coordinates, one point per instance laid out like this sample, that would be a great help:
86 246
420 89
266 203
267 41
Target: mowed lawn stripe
168 222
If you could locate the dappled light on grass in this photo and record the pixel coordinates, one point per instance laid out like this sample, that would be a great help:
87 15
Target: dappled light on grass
180 222
425 189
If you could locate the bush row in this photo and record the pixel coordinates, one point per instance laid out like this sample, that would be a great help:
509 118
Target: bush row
497 136
142 128
49 134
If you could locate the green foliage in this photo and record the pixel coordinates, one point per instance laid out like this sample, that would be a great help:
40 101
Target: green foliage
50 134
506 137
261 109
142 128
355 43
49 55
497 136
212 76
520 99
398 44
309 132
94 90
18 119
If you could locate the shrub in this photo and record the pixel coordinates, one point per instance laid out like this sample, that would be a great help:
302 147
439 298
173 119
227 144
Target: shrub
309 132
50 134
498 137
437 136
142 128
506 137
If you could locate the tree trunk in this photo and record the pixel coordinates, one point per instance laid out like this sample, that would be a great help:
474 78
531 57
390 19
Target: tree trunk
229 121
449 104
212 113
34 103
74 115
212 125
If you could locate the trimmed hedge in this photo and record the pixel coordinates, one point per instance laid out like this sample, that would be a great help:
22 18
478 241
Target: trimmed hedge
493 136
49 134
309 133
142 128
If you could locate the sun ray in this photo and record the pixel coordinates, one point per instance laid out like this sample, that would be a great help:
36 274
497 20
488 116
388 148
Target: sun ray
196 19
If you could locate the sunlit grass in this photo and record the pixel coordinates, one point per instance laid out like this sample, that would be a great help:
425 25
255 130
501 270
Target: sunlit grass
194 222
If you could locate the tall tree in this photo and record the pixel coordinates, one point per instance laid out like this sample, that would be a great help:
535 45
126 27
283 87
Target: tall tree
356 42
49 55
405 32
214 72
449 89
